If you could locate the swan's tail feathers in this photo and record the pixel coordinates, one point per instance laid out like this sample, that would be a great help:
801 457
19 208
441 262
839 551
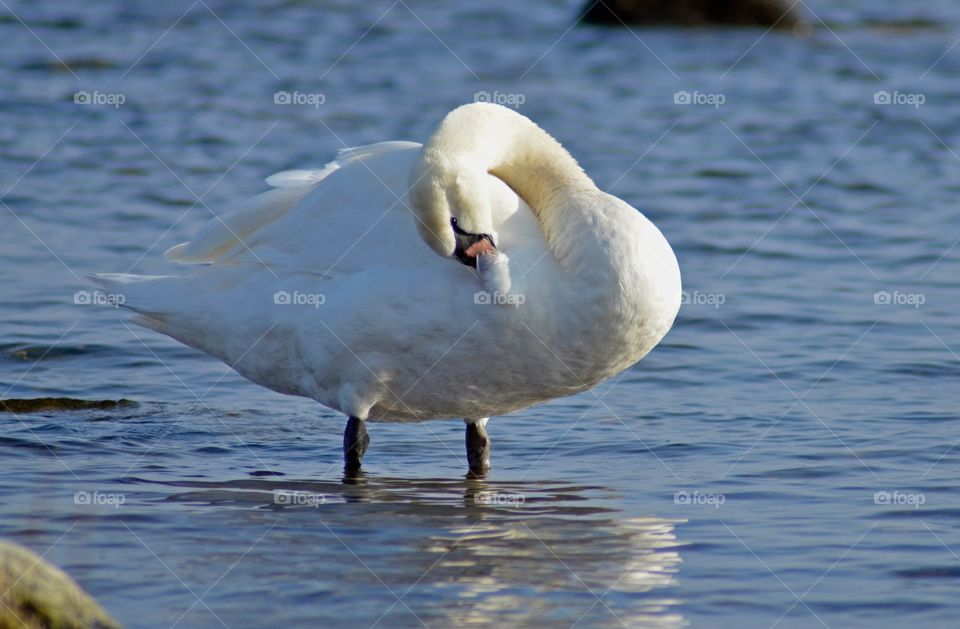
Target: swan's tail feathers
143 294
170 305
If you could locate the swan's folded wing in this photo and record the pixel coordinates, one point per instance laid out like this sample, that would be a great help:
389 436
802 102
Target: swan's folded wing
223 233
229 234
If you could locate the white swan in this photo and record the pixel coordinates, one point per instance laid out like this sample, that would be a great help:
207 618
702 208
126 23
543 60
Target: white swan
326 286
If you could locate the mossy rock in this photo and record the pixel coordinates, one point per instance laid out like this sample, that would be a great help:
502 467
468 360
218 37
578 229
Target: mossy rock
41 404
35 594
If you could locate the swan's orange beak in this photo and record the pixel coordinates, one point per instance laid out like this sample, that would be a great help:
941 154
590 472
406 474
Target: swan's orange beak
482 246
472 246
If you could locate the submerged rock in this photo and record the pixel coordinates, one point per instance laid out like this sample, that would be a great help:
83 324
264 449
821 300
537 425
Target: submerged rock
766 13
36 405
35 594
69 65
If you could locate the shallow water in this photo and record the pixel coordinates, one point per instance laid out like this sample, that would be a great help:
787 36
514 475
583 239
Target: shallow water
786 457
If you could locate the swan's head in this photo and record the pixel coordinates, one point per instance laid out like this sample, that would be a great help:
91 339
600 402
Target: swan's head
453 212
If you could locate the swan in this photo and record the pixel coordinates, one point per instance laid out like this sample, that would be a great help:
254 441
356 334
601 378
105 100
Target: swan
475 275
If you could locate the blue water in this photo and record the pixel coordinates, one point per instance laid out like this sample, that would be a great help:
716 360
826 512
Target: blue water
787 457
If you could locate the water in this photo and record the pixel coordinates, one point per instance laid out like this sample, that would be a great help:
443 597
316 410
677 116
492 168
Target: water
730 479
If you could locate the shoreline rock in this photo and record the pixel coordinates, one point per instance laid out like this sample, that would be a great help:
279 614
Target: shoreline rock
35 594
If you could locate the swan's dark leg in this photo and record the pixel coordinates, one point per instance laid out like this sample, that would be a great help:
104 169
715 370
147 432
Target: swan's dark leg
478 447
355 442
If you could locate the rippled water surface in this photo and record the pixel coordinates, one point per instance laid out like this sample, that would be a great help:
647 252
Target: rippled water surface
786 457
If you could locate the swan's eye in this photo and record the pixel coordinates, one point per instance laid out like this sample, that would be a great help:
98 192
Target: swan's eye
456 228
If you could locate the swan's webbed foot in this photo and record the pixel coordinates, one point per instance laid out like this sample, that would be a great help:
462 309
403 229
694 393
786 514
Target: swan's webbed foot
478 447
355 442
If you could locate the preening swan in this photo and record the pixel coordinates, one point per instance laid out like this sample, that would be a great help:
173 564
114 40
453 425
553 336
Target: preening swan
478 274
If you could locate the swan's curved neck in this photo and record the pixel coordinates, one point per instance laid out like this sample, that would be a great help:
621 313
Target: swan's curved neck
483 138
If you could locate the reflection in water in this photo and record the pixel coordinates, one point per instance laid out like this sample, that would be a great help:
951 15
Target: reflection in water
510 570
473 552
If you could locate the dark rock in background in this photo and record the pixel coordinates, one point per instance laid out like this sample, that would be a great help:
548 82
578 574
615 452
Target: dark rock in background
37 405
760 13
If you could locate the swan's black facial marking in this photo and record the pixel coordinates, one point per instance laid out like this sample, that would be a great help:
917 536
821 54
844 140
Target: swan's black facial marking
470 246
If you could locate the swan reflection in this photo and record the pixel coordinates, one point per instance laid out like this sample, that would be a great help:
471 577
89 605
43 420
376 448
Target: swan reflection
465 552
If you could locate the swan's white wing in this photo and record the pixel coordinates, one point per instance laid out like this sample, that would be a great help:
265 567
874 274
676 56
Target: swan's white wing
223 233
309 177
354 220
357 219
300 177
